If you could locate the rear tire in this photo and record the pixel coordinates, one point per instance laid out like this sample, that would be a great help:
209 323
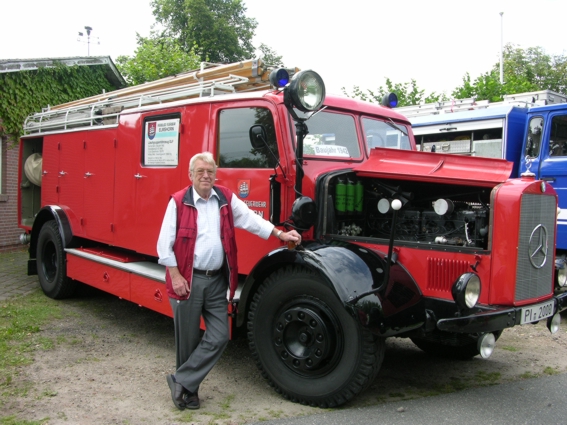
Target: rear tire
306 344
52 263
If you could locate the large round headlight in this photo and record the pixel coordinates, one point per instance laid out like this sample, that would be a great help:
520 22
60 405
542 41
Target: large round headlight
466 290
307 91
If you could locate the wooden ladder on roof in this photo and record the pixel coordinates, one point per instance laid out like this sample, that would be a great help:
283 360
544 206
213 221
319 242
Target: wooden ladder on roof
105 108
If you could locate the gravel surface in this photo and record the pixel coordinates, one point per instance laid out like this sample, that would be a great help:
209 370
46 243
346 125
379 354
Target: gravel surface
110 359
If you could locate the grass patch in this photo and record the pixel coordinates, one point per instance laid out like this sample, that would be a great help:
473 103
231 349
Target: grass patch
12 420
509 348
528 375
275 413
550 371
487 378
20 322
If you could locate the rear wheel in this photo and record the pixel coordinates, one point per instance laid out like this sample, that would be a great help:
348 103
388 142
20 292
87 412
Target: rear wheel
51 263
306 344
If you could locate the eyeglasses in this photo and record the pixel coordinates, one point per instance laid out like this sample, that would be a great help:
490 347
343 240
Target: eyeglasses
202 171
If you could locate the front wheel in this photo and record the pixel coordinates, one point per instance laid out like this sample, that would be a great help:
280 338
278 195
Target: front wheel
306 344
51 263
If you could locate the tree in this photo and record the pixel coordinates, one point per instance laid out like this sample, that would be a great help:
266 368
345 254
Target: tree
270 56
156 57
219 28
408 93
485 87
525 70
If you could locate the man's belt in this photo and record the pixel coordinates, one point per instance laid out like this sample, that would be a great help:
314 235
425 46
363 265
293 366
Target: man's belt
207 272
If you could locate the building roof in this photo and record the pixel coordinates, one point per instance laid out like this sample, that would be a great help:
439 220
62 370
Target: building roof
112 73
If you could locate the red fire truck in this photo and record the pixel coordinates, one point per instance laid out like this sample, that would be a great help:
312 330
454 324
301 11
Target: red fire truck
442 249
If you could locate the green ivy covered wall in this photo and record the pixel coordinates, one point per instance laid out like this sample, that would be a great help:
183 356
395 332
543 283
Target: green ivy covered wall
25 92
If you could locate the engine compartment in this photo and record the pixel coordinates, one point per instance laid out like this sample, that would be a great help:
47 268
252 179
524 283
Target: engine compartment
451 215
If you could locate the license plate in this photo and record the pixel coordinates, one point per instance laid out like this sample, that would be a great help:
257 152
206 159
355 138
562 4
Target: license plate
537 312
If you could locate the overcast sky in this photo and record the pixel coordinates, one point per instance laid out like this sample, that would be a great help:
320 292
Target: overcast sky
354 42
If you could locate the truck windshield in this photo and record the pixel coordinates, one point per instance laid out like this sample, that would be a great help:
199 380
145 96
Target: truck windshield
331 134
385 134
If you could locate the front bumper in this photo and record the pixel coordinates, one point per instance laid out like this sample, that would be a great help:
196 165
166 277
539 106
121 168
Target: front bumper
493 319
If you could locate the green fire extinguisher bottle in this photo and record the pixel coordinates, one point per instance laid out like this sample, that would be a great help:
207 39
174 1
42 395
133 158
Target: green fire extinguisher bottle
350 197
340 197
358 197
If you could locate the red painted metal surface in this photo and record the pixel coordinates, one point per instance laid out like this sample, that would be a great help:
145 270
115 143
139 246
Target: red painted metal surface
435 167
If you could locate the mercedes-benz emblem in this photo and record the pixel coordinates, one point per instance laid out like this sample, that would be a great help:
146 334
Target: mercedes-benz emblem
538 246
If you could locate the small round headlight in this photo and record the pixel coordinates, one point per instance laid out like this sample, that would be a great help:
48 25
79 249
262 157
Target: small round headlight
466 290
553 323
307 91
485 345
561 276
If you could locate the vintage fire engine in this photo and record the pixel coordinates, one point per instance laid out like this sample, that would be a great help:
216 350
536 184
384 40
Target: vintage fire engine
441 249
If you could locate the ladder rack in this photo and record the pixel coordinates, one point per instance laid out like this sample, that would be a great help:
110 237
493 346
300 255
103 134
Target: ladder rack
105 109
524 100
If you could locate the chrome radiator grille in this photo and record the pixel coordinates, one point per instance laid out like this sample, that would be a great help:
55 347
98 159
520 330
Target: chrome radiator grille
534 270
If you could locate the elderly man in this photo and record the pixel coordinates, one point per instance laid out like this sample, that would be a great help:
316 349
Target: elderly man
198 247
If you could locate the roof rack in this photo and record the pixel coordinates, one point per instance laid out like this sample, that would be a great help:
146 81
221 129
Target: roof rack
528 99
104 109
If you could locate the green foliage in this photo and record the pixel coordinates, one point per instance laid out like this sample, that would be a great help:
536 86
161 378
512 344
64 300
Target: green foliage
270 56
156 57
408 93
532 69
219 28
487 86
25 92
524 70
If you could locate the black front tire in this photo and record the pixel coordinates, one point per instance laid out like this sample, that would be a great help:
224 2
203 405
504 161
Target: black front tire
308 347
52 263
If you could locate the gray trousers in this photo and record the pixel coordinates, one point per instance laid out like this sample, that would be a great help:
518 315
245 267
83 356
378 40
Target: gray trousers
196 356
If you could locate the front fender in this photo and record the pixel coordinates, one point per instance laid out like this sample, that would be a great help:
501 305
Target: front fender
350 270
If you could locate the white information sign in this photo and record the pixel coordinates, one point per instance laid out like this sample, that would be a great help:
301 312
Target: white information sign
330 150
161 144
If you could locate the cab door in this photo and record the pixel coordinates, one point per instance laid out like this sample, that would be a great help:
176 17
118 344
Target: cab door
553 167
248 172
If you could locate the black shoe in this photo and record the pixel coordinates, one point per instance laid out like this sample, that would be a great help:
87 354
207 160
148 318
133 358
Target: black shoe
192 400
177 392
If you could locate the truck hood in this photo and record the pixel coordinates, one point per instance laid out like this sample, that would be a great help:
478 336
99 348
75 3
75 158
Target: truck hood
434 167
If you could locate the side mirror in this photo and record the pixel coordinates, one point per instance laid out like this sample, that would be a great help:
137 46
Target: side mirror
258 136
304 212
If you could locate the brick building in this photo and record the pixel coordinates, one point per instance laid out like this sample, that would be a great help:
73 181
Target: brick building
9 152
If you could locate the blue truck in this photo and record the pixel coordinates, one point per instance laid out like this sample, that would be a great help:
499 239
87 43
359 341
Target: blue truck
527 129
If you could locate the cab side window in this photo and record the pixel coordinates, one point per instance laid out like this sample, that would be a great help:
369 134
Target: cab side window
235 150
558 136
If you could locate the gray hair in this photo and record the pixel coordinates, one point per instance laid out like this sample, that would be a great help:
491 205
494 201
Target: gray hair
205 157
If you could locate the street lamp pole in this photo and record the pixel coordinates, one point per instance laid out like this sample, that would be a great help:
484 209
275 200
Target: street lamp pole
501 48
89 29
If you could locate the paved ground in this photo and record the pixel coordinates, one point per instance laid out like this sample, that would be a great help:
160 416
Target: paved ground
14 280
